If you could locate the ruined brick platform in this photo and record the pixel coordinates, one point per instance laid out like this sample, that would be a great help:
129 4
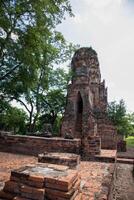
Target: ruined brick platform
71 160
42 181
107 156
97 178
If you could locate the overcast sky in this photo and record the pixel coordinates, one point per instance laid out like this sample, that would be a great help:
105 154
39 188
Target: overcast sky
107 26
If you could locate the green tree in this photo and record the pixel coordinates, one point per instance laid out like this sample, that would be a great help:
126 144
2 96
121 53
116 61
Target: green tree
117 112
118 115
27 35
46 102
53 102
29 47
13 119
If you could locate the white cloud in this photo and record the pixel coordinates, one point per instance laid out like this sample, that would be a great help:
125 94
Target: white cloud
108 26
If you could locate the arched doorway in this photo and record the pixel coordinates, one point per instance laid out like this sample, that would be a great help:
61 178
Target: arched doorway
79 113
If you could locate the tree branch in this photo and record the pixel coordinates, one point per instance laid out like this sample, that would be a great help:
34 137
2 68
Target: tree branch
19 100
9 72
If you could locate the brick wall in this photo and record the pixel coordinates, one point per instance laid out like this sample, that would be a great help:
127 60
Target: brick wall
92 146
31 145
108 136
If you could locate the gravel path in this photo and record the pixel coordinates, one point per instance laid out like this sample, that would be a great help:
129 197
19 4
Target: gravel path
124 185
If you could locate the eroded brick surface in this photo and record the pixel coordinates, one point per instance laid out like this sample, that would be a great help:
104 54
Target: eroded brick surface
85 115
58 182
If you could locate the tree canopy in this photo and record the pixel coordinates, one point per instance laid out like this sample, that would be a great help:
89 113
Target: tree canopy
120 118
30 47
28 36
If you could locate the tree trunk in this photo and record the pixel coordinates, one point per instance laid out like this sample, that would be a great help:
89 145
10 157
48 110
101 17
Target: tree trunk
30 122
34 122
54 116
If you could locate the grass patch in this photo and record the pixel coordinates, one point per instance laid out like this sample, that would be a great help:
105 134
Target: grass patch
130 141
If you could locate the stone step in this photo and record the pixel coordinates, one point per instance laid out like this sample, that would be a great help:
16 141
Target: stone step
68 159
107 156
125 156
125 160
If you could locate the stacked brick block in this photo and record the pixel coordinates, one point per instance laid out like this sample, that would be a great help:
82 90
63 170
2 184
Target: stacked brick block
71 160
93 146
42 182
108 134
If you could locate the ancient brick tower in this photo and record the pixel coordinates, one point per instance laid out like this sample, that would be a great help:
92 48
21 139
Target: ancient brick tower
85 114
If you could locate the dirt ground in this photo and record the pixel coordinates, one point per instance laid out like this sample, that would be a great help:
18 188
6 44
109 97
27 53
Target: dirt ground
10 161
124 185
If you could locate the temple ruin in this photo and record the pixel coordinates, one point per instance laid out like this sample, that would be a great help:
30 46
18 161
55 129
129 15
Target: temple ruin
86 110
67 167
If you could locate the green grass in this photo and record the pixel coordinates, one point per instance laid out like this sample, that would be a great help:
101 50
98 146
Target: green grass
130 141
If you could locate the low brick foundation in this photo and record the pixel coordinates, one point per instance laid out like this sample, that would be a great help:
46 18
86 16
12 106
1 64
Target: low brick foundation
42 181
31 145
109 156
71 160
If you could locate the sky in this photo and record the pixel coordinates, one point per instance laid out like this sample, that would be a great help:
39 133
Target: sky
107 26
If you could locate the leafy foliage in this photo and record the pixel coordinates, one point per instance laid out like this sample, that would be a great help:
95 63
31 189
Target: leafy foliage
130 141
123 121
29 48
13 119
28 37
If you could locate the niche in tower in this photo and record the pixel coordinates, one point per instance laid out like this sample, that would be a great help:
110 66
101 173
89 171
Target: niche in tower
79 113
